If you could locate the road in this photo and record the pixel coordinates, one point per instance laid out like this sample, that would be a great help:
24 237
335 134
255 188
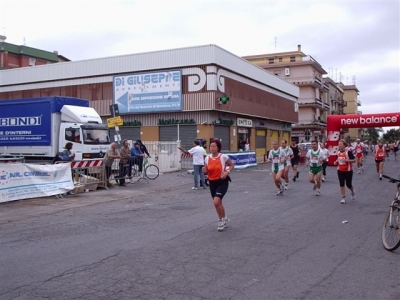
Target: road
159 240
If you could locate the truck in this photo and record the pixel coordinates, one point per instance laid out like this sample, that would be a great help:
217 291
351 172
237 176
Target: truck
39 128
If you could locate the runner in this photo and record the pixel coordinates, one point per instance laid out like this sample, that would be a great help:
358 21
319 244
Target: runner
344 161
315 158
218 166
396 148
277 157
325 162
379 155
359 148
288 156
295 159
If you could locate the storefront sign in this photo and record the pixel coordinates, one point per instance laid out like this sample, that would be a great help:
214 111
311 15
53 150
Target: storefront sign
223 122
243 160
133 123
175 121
148 92
244 122
23 181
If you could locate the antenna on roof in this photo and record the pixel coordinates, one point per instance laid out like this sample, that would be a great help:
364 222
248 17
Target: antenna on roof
354 79
24 41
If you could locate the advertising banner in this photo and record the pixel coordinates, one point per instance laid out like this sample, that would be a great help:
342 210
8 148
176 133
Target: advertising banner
23 181
244 159
22 124
148 92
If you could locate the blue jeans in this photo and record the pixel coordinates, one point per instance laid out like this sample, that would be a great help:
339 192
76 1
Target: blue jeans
198 171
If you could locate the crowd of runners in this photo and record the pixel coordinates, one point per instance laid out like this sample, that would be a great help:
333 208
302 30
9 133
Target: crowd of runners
349 158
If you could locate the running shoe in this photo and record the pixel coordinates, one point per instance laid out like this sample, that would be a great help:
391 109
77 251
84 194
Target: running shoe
353 196
297 175
220 225
314 187
323 179
294 178
279 193
225 220
195 188
380 177
343 201
286 186
318 193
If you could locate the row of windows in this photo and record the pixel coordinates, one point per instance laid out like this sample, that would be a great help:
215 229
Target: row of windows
280 59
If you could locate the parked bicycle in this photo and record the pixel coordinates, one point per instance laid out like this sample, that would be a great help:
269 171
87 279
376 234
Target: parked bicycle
391 226
149 171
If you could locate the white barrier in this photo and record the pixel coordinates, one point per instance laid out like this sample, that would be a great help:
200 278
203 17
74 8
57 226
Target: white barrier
24 181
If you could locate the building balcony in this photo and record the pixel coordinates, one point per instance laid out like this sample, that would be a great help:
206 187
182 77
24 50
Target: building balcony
306 81
317 103
310 124
358 102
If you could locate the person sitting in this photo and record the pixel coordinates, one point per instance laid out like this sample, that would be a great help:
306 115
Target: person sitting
137 155
143 148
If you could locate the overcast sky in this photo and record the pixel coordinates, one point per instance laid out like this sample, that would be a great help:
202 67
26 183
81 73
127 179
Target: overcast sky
355 40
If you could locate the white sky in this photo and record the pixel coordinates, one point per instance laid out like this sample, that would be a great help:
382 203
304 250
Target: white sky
355 39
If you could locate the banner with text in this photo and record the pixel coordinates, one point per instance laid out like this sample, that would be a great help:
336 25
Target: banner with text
24 181
244 159
148 92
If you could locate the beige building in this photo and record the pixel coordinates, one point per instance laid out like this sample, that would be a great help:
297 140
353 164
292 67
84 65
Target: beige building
352 108
314 103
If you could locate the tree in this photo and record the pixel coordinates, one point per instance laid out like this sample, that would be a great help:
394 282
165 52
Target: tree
372 134
391 135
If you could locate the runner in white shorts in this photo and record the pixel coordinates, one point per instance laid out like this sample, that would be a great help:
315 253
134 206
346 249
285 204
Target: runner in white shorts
287 164
277 157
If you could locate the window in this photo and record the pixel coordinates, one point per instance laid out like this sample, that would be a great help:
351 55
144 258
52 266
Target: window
271 61
292 58
72 135
280 59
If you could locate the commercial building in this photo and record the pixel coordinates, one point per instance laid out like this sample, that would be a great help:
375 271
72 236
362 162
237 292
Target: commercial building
173 95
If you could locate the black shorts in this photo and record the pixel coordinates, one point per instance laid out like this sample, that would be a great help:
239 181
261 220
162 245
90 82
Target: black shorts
379 161
345 177
218 188
295 161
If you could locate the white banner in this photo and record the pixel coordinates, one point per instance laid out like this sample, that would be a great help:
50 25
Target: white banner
23 181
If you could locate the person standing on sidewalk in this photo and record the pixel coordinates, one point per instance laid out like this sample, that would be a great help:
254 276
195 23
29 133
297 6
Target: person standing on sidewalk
379 155
198 162
218 166
277 157
111 154
125 163
344 161
295 159
325 162
315 157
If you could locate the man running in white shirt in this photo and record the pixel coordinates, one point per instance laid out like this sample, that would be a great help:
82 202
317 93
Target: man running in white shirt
325 162
277 157
287 164
315 158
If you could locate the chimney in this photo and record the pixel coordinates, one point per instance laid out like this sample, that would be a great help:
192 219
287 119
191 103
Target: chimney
299 48
2 38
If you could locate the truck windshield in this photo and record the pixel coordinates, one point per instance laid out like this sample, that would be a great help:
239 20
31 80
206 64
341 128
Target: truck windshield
95 136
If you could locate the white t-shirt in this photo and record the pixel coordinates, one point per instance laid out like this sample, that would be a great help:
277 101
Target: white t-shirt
198 155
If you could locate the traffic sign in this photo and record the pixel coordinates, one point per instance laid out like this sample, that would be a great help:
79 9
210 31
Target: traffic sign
116 121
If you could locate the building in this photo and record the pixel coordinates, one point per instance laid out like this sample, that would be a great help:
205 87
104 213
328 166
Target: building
305 72
173 95
336 98
352 104
14 56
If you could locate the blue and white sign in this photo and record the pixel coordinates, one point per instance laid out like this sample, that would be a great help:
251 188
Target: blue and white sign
148 92
23 181
243 160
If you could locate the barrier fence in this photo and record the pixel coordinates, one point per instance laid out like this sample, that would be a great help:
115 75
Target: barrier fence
8 159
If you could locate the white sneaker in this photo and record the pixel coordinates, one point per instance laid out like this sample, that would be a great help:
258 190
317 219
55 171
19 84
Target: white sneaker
220 225
353 196
318 193
343 201
323 179
225 220
195 188
286 186
358 172
280 192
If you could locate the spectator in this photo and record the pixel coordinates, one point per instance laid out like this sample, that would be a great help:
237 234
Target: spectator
137 157
198 162
125 163
143 148
111 154
67 154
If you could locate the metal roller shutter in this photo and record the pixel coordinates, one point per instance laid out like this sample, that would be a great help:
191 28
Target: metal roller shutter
222 133
187 134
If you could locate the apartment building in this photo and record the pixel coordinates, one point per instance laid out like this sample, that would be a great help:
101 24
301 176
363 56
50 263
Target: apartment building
353 103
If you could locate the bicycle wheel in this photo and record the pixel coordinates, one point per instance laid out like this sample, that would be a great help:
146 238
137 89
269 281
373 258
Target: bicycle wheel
151 172
391 229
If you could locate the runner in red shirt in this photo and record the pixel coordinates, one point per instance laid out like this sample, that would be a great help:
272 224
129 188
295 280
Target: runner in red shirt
359 149
344 161
379 154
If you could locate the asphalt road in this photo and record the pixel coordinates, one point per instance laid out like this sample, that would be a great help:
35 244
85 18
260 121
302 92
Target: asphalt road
159 240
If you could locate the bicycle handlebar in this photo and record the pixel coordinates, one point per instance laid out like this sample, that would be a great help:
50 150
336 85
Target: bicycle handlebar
391 179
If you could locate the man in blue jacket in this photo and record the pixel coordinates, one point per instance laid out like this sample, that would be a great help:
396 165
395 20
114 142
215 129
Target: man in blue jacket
137 156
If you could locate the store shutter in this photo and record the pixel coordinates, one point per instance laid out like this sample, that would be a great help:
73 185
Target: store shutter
222 133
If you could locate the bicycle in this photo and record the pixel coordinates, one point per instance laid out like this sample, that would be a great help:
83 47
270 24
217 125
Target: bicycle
150 171
391 225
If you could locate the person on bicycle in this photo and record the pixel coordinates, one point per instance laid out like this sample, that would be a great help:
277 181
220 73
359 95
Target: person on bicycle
143 148
137 156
